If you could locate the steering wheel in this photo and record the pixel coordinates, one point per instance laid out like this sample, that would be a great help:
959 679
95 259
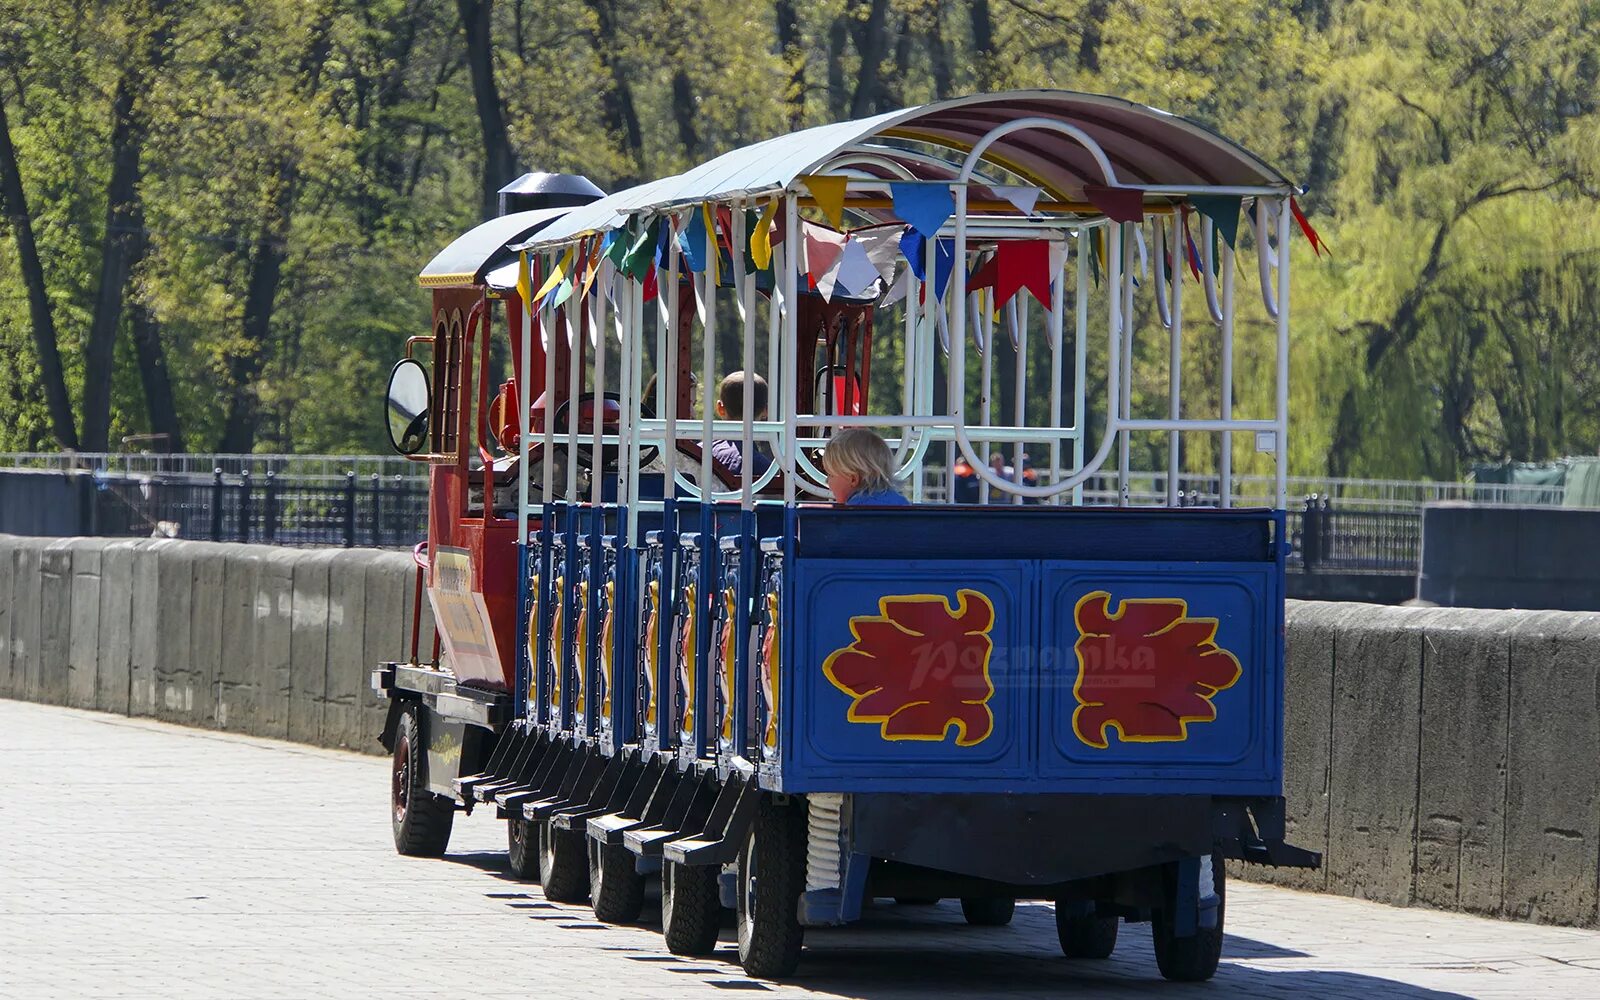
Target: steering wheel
609 453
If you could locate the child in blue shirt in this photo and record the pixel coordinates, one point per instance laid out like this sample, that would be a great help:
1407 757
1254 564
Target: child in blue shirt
859 468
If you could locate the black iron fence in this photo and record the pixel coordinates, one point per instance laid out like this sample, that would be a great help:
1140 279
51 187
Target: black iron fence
1328 537
379 511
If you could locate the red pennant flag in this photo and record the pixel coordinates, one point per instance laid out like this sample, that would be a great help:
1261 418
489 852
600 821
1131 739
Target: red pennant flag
1192 252
650 288
986 274
1022 264
1119 204
1305 227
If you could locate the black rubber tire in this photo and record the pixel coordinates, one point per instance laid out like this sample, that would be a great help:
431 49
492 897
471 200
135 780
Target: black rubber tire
1191 959
563 865
988 911
615 886
691 908
917 900
1086 937
421 819
522 848
772 875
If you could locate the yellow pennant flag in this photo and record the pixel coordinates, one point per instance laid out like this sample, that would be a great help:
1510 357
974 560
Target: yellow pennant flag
829 192
556 276
525 281
761 239
713 255
594 266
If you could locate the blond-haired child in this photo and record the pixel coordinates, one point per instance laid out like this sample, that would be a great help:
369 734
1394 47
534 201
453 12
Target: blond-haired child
858 464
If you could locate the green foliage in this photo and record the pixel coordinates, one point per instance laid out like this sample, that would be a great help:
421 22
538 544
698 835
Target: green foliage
1449 147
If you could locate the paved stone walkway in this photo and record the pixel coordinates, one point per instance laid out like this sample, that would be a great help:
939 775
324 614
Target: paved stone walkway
145 860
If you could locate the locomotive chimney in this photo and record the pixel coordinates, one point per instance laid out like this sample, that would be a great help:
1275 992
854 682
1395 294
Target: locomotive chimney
540 190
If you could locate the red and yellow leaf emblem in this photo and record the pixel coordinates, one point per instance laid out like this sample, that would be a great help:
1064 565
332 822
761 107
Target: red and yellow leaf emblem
919 667
1147 671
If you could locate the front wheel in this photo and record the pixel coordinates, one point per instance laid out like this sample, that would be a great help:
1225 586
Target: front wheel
772 875
421 819
522 848
691 908
986 911
1191 959
615 886
563 865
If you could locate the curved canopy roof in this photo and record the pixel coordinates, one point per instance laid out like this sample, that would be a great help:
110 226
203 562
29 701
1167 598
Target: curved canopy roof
1148 149
473 252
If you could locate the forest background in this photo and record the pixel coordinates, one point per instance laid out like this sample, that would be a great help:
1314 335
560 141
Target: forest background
217 208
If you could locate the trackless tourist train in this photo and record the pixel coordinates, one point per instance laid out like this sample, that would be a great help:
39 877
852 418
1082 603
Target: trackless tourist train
705 611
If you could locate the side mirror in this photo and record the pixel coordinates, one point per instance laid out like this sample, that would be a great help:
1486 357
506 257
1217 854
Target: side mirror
407 406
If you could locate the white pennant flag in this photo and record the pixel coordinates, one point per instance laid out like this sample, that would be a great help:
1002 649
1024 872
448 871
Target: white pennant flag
1022 197
883 248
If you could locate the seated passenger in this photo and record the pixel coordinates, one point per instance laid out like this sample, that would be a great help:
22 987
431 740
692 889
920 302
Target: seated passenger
859 467
730 406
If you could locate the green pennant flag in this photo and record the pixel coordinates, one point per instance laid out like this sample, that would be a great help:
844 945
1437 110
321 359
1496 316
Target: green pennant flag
1223 211
618 250
1094 256
636 263
750 220
562 293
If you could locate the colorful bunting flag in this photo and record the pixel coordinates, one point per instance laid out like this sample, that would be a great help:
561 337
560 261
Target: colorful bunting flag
760 238
637 260
823 247
829 193
944 264
524 281
924 206
692 241
1223 211
556 276
1023 264
897 290
1022 197
1192 254
711 243
985 274
1096 256
914 246
1305 227
882 246
1120 204
855 270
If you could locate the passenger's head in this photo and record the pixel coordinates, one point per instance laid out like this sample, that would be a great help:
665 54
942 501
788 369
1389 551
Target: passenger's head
730 396
857 461
997 461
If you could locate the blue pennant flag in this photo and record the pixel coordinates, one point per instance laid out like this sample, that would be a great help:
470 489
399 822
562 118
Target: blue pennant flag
914 245
944 261
924 206
692 241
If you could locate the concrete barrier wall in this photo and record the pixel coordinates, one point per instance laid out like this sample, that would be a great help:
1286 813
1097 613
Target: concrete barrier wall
1446 757
248 638
1439 757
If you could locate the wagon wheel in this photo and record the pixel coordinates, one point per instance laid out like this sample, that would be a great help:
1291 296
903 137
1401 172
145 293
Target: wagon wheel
522 848
421 819
563 866
691 908
615 886
1085 936
987 911
772 875
1191 959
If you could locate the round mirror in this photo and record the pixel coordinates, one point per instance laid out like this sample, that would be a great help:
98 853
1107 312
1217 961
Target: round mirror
407 408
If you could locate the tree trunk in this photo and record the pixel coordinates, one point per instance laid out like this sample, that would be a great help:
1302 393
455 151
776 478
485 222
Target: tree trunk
791 47
499 165
939 54
1089 42
838 38
13 199
870 37
983 56
261 290
684 113
125 242
154 376
621 116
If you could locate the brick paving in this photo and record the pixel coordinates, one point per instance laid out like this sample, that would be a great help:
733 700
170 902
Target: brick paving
146 860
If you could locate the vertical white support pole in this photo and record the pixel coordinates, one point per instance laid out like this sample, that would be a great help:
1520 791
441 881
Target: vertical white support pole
634 334
908 394
1180 248
1019 407
574 386
1121 334
958 330
524 401
667 387
1225 466
1058 302
1080 360
746 285
985 322
1121 290
597 423
1281 436
548 329
707 289
791 336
